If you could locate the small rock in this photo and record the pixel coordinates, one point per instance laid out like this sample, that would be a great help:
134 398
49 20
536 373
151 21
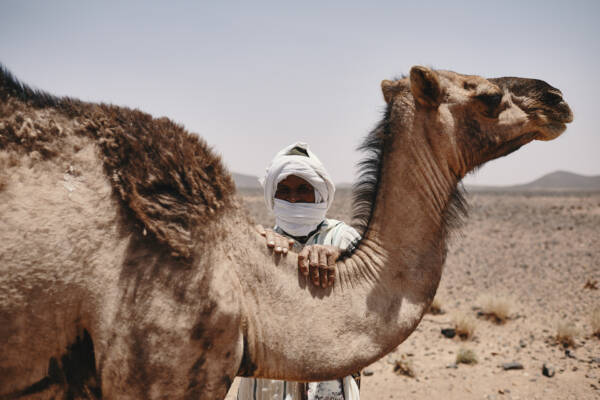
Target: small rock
367 372
548 370
522 343
569 354
449 332
453 366
512 365
595 360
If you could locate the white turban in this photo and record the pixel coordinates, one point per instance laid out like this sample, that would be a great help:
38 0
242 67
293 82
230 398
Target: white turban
288 162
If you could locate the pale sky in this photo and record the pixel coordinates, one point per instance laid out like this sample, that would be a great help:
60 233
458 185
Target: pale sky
252 77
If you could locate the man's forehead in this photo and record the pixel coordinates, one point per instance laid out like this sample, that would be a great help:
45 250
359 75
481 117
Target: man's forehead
294 180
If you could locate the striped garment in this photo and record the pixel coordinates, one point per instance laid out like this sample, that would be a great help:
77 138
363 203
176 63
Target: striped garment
334 233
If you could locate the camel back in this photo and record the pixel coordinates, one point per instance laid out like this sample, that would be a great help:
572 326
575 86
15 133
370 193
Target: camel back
168 179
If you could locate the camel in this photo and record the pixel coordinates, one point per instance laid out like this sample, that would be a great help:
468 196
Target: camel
129 268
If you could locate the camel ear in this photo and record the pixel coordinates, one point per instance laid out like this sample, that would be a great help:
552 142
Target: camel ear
425 87
387 87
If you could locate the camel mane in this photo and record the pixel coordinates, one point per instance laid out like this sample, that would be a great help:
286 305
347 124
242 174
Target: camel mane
370 169
169 180
10 86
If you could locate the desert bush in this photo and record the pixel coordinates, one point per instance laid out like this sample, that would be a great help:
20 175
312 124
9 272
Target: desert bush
404 366
495 308
466 356
595 322
436 306
464 326
565 333
591 284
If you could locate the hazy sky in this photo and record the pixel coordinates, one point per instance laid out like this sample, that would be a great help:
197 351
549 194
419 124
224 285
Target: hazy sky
252 77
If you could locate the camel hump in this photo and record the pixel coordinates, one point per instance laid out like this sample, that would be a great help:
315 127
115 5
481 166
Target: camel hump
170 179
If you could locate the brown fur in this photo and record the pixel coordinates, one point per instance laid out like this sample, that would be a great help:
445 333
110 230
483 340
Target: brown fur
124 254
174 185
169 179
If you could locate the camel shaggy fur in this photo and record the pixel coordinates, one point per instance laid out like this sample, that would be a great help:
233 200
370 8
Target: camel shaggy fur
129 270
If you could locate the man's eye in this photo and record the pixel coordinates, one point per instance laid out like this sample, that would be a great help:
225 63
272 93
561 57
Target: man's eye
303 189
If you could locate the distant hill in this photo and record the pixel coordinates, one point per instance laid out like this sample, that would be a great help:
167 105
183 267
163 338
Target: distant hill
566 180
343 185
555 181
245 181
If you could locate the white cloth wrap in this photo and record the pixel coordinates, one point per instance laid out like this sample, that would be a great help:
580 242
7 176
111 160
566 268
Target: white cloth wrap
298 219
308 168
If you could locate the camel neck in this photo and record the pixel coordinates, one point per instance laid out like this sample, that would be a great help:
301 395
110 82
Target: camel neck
383 288
409 220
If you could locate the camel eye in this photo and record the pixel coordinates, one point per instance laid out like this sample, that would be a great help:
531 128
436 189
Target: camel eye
490 100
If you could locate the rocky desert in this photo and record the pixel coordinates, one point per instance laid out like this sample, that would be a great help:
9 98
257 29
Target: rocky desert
517 313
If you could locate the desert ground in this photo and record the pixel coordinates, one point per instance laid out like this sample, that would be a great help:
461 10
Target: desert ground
531 258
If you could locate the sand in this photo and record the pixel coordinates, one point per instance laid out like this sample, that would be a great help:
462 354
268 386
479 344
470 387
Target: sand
533 253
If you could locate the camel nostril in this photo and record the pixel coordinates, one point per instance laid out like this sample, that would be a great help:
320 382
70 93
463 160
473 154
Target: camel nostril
552 98
491 100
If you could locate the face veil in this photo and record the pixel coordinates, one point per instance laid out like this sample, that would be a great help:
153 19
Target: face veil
299 218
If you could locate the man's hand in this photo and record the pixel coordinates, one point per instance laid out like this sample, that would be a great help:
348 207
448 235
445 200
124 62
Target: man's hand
320 260
279 243
317 260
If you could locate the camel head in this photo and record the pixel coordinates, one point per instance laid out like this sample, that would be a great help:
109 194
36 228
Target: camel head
467 120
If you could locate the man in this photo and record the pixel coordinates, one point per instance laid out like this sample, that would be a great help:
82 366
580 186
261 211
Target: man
299 191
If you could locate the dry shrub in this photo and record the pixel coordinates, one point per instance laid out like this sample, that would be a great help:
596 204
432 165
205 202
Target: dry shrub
6 161
436 307
565 333
591 284
495 308
595 322
404 366
466 356
464 326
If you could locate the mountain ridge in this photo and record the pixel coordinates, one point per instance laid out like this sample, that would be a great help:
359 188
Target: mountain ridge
553 181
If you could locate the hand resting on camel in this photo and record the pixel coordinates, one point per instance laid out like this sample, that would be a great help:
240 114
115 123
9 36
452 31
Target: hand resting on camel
316 260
